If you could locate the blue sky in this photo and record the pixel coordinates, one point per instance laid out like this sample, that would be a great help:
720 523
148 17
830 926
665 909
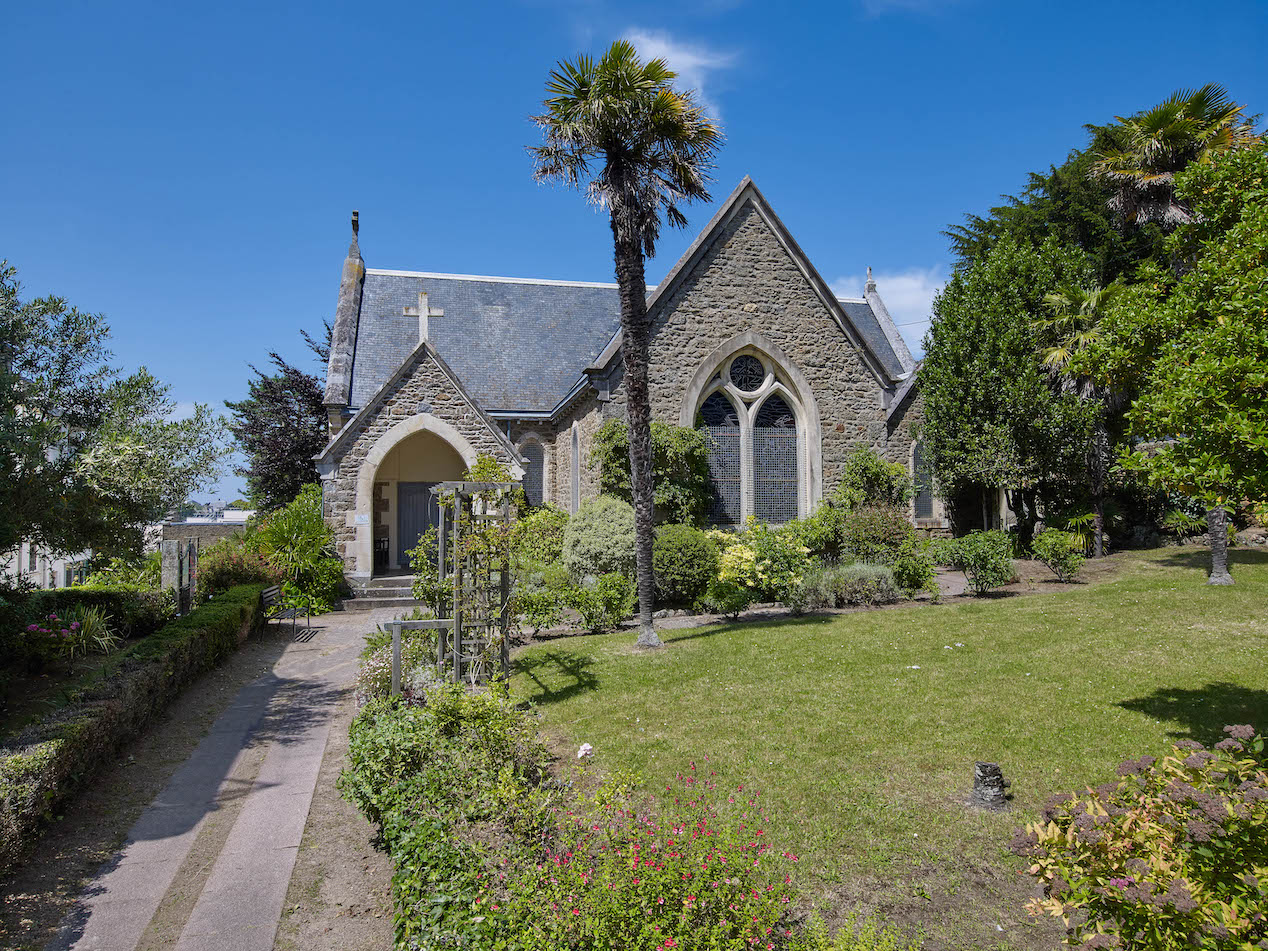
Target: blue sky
188 170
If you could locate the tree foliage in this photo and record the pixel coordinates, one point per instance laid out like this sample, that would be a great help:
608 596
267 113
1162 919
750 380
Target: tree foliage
88 457
1197 347
680 469
280 427
991 417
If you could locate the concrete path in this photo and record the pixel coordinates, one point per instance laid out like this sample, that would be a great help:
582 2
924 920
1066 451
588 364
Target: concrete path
208 864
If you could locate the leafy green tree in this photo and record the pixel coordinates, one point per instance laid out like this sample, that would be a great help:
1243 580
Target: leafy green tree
680 469
991 417
87 458
1070 204
1197 347
655 147
1072 326
280 427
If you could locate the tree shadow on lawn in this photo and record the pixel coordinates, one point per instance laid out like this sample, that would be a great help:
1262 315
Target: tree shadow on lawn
725 625
576 668
1203 713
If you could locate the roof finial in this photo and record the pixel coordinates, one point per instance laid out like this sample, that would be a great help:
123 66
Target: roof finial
354 250
356 226
871 284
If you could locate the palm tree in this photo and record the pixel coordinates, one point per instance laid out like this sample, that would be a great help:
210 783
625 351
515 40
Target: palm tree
1189 126
1072 329
653 148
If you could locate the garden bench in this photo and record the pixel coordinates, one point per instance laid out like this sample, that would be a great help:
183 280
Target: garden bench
272 597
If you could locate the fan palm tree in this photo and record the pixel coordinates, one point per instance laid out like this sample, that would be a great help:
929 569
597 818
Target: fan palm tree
1189 126
1073 328
652 149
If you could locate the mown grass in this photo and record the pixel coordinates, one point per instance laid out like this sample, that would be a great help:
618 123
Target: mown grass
861 730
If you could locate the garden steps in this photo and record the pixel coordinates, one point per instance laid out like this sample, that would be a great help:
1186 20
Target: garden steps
391 591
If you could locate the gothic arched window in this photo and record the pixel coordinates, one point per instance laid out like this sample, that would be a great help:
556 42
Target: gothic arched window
775 490
752 425
922 477
722 436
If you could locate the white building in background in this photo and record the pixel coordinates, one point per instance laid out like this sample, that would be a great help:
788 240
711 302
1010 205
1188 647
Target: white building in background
42 568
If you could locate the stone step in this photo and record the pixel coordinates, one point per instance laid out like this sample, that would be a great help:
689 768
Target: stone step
391 581
404 591
403 605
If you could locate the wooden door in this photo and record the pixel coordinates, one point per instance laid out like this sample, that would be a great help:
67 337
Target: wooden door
416 511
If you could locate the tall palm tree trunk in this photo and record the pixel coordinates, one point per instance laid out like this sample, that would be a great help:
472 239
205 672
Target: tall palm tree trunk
1100 460
634 345
1217 525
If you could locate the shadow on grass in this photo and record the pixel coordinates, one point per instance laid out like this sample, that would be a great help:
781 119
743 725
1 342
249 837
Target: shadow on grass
576 670
1203 713
725 625
1198 557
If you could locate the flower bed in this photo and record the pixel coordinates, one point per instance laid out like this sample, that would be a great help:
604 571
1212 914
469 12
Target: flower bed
48 761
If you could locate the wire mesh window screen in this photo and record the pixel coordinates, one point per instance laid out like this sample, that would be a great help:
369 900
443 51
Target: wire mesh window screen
722 434
775 462
922 475
534 472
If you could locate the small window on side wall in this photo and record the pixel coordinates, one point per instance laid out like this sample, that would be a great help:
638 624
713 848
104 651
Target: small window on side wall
534 472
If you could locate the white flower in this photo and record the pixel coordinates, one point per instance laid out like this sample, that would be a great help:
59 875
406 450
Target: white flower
586 750
913 667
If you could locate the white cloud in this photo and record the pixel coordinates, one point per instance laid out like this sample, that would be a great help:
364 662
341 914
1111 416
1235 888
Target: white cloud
693 62
908 296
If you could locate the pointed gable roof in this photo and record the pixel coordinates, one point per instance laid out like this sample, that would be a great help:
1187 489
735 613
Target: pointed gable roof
858 319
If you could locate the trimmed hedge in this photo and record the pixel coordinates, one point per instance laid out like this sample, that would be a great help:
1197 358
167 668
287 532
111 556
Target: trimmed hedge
48 761
133 613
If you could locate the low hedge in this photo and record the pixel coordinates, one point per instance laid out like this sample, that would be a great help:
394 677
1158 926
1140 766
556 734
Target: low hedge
45 763
133 613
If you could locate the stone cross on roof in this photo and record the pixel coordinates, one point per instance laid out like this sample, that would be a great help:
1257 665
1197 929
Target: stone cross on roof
422 312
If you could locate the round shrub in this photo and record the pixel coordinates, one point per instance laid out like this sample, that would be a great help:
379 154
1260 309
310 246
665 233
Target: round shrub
538 538
684 560
986 558
876 533
1061 551
599 539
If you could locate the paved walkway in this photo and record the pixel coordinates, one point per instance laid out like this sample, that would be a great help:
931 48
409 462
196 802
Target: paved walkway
208 864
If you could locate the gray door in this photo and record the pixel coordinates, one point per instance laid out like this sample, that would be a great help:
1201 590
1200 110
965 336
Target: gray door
416 512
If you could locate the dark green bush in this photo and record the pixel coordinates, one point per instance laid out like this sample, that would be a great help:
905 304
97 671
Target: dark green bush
46 762
876 533
680 469
986 558
868 480
537 539
684 560
944 552
1061 551
133 613
913 569
605 602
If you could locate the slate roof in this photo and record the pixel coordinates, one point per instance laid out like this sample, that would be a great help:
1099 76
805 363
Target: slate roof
870 329
517 345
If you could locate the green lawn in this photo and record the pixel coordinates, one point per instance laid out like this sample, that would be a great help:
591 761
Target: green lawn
864 762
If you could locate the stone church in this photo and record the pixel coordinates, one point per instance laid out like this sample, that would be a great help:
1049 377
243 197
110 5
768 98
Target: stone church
427 371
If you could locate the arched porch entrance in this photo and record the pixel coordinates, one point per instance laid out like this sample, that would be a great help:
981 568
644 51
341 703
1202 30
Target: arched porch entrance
394 504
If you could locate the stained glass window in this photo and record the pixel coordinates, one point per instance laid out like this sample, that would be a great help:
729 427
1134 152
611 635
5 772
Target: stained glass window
748 373
534 472
722 434
775 461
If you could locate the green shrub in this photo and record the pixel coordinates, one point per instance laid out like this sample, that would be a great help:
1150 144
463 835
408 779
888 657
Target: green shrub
143 575
780 559
867 480
684 560
537 539
48 761
1061 551
986 558
822 531
374 677
913 569
680 469
876 533
297 542
1180 523
599 539
839 586
856 934
727 597
604 602
133 612
678 873
944 552
229 562
1172 855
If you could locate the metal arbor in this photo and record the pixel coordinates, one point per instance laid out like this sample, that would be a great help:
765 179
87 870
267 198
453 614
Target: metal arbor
474 557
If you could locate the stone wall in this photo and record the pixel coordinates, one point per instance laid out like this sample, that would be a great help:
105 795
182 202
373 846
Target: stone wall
425 390
748 282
